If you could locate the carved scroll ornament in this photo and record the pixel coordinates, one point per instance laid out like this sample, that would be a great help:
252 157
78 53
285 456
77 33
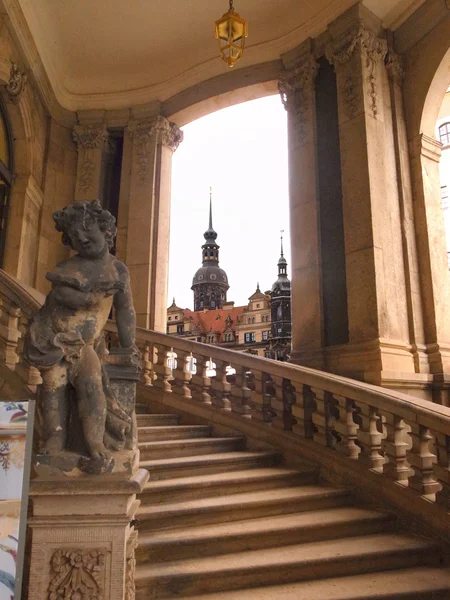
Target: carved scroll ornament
16 84
88 138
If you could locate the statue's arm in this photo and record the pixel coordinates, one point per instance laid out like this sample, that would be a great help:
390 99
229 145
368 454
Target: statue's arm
125 313
72 298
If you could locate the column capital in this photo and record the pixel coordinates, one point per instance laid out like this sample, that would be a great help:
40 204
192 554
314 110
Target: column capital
158 129
294 81
357 38
394 66
90 136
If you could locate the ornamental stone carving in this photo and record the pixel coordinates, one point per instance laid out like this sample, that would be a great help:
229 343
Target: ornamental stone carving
88 139
361 39
394 66
16 84
77 574
156 130
295 87
130 587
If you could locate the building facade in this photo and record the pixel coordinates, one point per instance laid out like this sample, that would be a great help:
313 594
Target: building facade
247 328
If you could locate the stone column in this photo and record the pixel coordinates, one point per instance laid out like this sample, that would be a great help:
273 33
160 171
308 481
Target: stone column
414 306
91 141
148 222
296 86
425 154
379 347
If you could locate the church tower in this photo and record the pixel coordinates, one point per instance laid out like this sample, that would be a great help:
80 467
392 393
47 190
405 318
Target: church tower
280 342
210 283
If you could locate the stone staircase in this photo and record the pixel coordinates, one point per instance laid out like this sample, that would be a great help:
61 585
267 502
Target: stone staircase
218 521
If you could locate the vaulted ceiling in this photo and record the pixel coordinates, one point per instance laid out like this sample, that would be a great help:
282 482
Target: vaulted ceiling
112 53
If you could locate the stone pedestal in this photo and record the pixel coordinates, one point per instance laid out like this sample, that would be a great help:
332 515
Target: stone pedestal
82 537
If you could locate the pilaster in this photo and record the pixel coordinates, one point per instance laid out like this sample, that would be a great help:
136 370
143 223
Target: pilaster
297 88
153 141
91 140
375 270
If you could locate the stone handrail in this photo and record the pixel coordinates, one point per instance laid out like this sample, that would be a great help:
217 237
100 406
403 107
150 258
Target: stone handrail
391 434
395 436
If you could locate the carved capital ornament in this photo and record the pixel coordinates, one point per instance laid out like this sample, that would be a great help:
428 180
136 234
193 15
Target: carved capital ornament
90 136
156 130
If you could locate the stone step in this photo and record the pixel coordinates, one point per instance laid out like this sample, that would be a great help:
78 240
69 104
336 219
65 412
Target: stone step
157 419
189 447
236 507
267 532
185 466
173 432
202 486
422 583
300 562
141 408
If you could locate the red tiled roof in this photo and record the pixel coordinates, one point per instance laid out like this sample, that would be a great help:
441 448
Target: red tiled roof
214 320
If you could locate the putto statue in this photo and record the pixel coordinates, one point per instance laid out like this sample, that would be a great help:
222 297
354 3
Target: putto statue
65 342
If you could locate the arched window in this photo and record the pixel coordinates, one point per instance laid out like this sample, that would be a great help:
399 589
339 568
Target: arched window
444 134
6 175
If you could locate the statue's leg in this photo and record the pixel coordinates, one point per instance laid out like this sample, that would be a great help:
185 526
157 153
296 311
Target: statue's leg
91 401
55 407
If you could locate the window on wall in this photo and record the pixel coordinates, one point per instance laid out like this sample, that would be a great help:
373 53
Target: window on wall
6 175
180 328
444 134
249 337
265 335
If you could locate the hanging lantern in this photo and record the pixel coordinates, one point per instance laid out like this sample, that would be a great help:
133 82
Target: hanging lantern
231 31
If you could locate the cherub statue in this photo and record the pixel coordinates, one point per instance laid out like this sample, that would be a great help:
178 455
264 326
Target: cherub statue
64 339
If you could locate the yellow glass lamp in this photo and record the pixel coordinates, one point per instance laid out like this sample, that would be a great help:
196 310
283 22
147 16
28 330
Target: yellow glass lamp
231 31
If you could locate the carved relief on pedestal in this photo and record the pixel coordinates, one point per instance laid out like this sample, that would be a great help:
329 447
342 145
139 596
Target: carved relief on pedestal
130 587
16 84
88 139
77 574
372 48
156 130
295 86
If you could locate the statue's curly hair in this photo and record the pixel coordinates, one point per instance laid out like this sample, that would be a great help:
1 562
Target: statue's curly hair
79 211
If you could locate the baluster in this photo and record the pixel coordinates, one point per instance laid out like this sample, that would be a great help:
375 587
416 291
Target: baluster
369 438
324 418
422 460
162 369
181 376
303 410
346 427
258 399
395 446
201 382
277 401
442 469
30 375
9 334
241 393
268 389
220 386
148 374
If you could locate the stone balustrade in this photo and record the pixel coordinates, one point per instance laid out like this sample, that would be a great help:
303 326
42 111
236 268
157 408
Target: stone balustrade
397 437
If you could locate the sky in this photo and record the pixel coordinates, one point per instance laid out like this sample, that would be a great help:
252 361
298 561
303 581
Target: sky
241 152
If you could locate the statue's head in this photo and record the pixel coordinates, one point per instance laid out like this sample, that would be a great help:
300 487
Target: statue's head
86 227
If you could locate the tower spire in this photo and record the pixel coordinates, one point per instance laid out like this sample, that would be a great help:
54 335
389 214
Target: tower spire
210 208
281 237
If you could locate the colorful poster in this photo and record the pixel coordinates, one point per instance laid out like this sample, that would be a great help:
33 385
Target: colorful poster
16 423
